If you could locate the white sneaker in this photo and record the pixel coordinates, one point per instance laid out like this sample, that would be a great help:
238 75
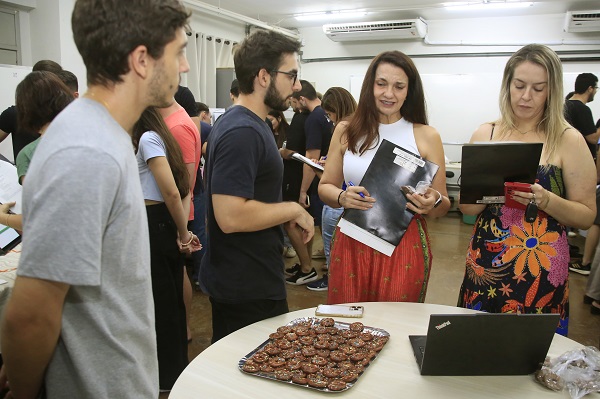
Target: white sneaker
289 252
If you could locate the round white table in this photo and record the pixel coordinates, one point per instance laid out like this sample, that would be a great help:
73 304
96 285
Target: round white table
394 373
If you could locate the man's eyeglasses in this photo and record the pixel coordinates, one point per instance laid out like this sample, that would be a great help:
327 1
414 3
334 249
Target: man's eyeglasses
293 75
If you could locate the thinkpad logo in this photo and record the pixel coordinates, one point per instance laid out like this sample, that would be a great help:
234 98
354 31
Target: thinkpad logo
444 324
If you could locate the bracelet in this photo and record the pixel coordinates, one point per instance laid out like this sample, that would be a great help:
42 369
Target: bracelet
190 241
339 196
7 216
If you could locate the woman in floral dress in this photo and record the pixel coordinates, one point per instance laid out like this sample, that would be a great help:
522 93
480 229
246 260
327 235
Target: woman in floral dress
514 266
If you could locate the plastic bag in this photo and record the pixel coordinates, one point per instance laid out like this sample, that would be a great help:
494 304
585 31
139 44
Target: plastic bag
577 370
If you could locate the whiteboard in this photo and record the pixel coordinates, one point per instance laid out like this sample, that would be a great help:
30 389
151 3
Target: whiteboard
10 77
458 103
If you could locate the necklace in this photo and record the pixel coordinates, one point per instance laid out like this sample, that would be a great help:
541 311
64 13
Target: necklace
524 133
92 96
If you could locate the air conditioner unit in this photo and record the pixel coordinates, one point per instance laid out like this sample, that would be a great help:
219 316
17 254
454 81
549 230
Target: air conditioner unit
381 30
582 21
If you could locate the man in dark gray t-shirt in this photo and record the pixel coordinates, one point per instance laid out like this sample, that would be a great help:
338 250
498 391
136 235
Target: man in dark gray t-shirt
80 320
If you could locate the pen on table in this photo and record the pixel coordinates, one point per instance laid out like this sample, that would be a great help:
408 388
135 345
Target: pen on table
352 185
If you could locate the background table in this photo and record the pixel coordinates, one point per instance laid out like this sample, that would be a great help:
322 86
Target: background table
215 374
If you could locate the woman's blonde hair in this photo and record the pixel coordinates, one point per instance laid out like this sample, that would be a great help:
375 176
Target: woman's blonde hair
553 122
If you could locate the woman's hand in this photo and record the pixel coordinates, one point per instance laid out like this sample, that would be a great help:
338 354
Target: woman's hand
422 203
356 197
189 244
538 195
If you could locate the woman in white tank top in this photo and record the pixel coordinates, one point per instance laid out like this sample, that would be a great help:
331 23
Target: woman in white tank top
391 107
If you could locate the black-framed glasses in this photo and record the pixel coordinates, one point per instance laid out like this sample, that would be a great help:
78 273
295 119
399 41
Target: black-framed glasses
293 75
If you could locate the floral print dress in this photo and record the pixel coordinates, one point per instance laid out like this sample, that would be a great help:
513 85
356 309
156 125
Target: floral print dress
518 267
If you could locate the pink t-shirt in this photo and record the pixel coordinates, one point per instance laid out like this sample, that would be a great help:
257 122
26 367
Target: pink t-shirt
186 133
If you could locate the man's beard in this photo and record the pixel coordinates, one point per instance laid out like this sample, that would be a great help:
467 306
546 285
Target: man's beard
273 98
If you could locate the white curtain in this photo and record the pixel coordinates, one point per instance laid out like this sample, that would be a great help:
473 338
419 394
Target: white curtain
205 54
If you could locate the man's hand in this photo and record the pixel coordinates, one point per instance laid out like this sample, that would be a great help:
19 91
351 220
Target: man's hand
306 223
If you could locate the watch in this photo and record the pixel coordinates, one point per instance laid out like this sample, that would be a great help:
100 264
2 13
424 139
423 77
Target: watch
439 200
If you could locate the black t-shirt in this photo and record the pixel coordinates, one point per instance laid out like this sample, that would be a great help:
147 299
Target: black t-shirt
20 138
318 129
580 117
292 170
243 161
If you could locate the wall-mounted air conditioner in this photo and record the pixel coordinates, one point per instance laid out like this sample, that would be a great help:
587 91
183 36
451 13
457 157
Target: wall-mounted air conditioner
582 21
382 30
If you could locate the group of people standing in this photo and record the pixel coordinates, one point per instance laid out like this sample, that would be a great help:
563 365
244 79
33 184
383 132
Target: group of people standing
88 306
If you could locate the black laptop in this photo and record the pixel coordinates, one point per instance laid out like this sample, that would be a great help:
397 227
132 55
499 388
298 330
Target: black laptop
484 343
486 167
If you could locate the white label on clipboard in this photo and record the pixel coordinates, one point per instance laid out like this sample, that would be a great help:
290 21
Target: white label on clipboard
407 161
406 164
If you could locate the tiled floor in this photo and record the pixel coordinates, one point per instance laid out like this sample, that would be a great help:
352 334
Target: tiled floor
449 237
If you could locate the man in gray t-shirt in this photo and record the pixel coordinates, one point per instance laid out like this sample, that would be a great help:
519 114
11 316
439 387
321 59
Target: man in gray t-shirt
80 320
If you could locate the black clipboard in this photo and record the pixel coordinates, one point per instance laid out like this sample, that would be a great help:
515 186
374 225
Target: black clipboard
391 167
486 167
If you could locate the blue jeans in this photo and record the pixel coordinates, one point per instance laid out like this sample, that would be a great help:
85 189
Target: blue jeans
198 227
329 221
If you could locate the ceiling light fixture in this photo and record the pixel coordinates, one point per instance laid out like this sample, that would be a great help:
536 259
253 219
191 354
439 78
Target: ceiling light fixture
486 5
329 15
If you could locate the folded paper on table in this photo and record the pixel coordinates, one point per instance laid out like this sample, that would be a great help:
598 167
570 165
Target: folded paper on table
302 158
383 226
485 167
10 189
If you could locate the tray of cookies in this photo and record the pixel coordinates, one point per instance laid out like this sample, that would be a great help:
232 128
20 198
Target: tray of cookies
320 354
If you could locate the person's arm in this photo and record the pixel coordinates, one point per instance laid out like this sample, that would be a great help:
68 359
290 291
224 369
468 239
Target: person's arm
286 153
10 219
187 140
159 166
237 214
579 208
3 135
30 332
308 175
330 190
431 148
483 133
593 137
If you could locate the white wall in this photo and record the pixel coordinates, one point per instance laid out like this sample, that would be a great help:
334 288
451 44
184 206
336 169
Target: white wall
454 110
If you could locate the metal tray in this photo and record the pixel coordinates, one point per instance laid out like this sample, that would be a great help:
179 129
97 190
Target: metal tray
313 320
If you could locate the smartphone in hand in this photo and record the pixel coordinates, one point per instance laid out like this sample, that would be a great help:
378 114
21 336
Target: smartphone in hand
509 188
